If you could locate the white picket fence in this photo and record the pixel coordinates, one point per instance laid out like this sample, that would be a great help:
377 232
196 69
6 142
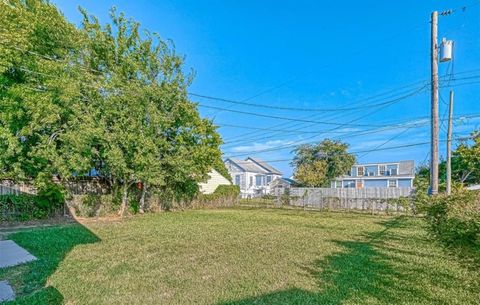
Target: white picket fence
373 199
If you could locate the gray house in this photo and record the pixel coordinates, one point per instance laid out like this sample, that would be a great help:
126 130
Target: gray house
384 174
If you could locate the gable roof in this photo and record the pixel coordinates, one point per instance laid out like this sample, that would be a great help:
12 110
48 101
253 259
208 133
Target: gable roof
254 166
265 165
248 166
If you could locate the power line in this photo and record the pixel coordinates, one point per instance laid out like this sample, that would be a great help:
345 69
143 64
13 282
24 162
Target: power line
289 108
270 106
342 114
366 132
242 136
314 136
309 121
269 137
221 125
323 131
378 149
463 8
388 141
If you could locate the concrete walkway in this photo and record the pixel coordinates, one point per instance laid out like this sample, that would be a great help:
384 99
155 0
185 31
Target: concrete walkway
6 292
12 254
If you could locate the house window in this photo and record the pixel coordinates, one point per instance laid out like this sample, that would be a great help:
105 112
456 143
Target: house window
360 171
258 180
251 180
338 184
392 170
382 169
349 184
269 179
237 179
392 183
371 170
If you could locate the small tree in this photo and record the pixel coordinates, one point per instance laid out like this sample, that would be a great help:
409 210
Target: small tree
318 164
466 161
465 166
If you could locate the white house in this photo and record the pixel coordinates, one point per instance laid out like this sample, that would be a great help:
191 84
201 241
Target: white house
214 180
252 175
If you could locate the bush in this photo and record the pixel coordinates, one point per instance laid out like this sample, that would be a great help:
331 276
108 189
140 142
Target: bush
269 197
224 195
24 207
455 219
92 205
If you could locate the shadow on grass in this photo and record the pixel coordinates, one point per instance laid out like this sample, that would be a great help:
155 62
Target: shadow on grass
50 246
358 274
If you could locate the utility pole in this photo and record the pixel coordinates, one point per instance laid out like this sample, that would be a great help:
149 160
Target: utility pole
434 105
449 145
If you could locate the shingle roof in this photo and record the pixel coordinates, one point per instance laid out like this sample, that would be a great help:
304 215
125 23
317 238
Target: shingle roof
265 165
248 166
255 165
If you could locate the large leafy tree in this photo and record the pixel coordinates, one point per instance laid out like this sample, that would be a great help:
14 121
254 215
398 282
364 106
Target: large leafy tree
36 109
104 97
318 164
151 133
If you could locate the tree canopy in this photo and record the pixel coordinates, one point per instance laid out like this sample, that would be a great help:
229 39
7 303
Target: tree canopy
107 97
318 164
465 165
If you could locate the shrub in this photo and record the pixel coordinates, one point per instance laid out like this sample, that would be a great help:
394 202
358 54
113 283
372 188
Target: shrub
269 197
92 205
224 195
455 219
25 207
89 205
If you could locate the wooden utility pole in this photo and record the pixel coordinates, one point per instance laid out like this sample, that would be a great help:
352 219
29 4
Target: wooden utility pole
434 105
449 145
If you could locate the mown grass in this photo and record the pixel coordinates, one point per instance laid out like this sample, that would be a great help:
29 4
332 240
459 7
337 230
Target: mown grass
242 256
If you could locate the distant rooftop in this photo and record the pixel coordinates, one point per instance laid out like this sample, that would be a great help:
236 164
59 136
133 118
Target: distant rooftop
265 165
255 165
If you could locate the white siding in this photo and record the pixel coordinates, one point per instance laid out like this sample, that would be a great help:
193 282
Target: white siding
214 180
246 189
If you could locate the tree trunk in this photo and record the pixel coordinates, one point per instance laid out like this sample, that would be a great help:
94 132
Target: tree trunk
465 176
123 206
142 199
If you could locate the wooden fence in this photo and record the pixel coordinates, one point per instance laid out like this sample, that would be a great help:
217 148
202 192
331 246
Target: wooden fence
371 199
8 190
10 187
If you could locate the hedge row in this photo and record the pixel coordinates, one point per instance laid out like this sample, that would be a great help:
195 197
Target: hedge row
48 201
26 207
455 219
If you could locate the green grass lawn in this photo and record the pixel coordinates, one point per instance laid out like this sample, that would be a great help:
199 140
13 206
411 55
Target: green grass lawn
242 256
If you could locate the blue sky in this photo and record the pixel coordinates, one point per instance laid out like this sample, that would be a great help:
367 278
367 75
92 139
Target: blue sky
315 55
